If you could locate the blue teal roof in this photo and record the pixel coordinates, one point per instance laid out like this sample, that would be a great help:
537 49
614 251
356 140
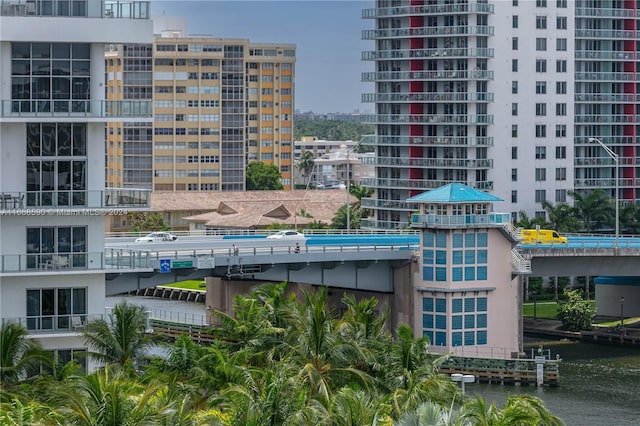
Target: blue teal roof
454 193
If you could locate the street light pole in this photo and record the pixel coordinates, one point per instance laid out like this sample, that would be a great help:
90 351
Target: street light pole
616 160
348 185
621 313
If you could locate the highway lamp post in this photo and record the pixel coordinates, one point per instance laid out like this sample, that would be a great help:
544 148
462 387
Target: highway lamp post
348 184
535 313
616 160
463 378
622 313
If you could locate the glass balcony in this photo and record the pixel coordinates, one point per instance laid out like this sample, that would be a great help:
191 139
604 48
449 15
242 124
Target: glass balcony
604 54
76 9
110 198
600 34
76 261
427 32
430 97
436 163
426 119
31 108
50 324
417 183
440 9
373 140
426 75
605 183
608 98
591 12
605 118
483 52
459 221
372 203
606 76
382 224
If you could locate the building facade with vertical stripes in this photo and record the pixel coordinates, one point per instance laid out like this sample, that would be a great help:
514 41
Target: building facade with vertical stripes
504 96
218 104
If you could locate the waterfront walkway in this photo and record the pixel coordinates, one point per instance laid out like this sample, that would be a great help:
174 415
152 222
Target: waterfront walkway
627 336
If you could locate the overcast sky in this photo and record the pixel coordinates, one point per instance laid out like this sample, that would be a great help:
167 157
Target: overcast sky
327 35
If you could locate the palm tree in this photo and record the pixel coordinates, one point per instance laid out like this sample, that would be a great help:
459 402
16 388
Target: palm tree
519 410
326 360
360 192
33 413
306 164
20 357
120 338
110 397
562 217
594 208
527 223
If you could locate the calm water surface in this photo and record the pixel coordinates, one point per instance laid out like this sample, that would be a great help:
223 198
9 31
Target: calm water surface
599 385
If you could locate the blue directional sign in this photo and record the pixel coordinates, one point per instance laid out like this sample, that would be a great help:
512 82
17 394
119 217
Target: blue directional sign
165 265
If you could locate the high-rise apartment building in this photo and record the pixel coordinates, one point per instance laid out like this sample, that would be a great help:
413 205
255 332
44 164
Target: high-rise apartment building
505 96
52 188
218 105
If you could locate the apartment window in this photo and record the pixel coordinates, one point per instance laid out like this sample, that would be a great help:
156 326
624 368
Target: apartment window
50 77
514 152
541 3
514 65
561 131
561 65
561 4
541 87
541 196
541 174
68 243
541 22
541 131
541 109
514 109
514 87
561 173
514 21
561 23
541 152
53 308
514 2
514 43
561 109
561 87
561 44
514 175
561 152
541 65
561 195
514 196
514 131
541 44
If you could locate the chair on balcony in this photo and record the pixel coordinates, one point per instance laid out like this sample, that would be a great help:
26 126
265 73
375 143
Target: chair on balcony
77 324
60 262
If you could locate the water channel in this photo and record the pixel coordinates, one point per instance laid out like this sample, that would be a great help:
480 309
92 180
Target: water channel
599 384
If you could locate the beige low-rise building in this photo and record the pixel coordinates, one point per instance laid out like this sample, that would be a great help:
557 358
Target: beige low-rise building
185 210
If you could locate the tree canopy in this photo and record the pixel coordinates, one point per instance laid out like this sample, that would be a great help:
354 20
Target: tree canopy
332 130
261 176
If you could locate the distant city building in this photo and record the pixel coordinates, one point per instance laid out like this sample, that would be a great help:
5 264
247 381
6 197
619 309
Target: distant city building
335 163
331 116
218 104
503 96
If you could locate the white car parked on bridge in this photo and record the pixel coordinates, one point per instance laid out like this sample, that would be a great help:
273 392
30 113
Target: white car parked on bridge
156 237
